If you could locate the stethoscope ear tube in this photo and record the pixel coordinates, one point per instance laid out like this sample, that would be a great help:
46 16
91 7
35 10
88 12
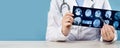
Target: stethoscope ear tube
62 5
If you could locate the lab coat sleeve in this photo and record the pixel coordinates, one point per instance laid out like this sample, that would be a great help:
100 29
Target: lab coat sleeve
54 24
106 5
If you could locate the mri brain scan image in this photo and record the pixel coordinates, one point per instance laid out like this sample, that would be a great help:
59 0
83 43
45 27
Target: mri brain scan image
117 16
96 23
88 13
78 11
107 21
96 18
108 14
98 13
77 20
116 24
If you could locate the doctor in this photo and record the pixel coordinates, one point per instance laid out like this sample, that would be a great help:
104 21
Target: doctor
60 21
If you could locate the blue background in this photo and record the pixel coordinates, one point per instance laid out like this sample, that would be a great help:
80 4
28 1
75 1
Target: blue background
27 19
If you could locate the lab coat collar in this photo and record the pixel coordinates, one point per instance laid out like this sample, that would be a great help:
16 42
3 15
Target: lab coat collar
87 3
71 3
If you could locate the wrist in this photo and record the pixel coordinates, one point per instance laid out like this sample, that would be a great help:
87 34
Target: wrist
65 32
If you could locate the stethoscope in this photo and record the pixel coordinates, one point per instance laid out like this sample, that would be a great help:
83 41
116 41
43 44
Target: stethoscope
63 4
68 7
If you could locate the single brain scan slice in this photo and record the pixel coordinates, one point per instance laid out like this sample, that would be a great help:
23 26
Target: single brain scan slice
88 13
116 24
108 14
98 13
77 20
96 23
107 21
78 11
117 16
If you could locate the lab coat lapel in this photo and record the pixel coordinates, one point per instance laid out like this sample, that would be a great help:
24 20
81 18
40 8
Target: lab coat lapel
88 3
71 3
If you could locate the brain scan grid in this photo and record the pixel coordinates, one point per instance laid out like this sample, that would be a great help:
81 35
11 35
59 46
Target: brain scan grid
91 17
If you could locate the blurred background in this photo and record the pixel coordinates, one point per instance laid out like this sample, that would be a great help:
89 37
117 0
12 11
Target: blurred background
26 20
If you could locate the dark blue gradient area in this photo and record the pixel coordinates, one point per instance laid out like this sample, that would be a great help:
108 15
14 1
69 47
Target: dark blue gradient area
93 17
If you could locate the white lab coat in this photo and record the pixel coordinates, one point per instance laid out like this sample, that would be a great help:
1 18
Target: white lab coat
77 32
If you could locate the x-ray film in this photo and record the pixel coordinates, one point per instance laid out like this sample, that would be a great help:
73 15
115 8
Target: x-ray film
93 17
